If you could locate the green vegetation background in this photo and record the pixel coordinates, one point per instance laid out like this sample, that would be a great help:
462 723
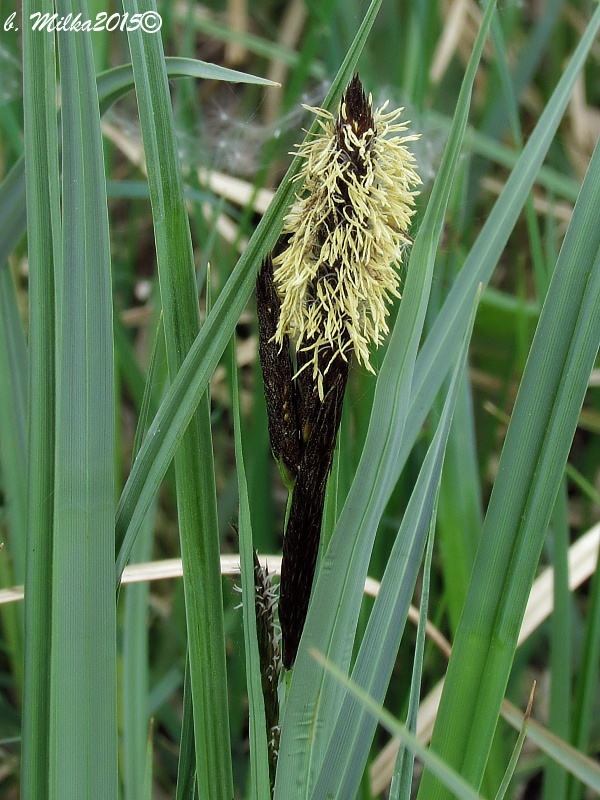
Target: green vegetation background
156 206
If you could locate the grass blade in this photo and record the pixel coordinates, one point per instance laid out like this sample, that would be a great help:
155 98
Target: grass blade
12 189
352 734
13 420
555 778
137 735
83 736
136 727
194 468
41 173
401 785
587 680
512 765
259 768
13 463
586 770
457 785
534 456
461 516
186 768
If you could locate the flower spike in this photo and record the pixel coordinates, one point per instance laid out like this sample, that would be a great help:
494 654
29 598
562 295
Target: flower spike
322 295
346 231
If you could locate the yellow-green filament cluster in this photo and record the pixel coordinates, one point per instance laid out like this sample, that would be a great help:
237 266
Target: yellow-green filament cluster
346 233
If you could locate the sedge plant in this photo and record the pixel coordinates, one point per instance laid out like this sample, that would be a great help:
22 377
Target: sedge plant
396 408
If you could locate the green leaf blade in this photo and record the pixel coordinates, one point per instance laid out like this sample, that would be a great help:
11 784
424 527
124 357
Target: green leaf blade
41 174
352 735
83 735
534 455
194 467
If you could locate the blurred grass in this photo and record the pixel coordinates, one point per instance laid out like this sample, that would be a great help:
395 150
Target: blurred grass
416 55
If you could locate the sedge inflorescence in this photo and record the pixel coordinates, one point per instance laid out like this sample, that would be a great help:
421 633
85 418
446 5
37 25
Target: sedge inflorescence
345 234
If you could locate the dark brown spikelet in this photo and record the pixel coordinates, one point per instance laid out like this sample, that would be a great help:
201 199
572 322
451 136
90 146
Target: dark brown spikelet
356 110
303 531
277 372
265 599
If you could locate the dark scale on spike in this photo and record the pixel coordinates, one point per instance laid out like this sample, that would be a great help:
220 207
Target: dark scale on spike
303 532
356 111
303 431
277 373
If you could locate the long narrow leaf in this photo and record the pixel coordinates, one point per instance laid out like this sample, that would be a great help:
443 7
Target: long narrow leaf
83 735
533 458
453 780
352 735
401 784
259 771
44 234
194 468
13 422
136 725
13 461
186 765
514 758
555 778
574 761
587 680
12 189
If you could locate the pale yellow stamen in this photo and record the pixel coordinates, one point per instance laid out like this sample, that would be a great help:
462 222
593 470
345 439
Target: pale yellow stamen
348 229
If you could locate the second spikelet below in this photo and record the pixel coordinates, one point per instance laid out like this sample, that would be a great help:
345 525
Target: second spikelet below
346 233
